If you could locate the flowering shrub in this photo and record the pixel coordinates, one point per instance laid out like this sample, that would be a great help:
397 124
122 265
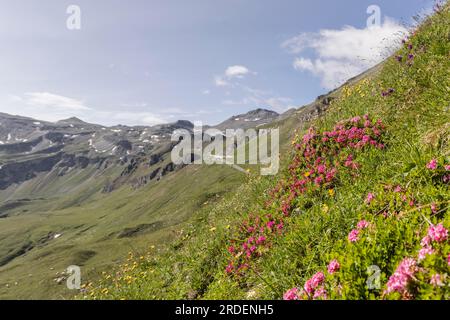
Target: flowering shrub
312 290
402 277
333 267
404 280
316 165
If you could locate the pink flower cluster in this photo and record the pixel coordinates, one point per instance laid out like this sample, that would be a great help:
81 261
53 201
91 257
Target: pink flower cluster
437 280
353 236
432 165
363 224
319 155
424 252
401 278
314 288
291 294
436 233
333 267
370 198
356 133
257 230
404 274
312 284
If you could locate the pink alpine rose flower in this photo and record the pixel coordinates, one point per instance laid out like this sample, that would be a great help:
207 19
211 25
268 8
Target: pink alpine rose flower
318 181
432 165
261 240
229 268
438 233
363 224
321 169
370 198
320 294
402 276
353 236
318 279
434 208
437 280
426 241
315 281
291 294
424 252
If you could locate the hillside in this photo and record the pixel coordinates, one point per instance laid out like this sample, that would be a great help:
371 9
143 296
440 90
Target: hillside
84 194
360 211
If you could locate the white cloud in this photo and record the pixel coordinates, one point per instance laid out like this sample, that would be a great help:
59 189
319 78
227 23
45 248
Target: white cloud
280 104
304 64
44 106
236 72
13 98
52 107
332 72
256 98
220 82
53 101
136 118
135 105
342 54
232 72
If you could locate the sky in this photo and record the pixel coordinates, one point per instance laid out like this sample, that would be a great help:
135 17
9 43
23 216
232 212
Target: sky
143 62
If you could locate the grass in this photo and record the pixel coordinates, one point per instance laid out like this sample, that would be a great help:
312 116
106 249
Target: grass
416 118
94 226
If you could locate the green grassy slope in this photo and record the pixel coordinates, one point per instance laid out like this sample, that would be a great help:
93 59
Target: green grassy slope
97 229
394 187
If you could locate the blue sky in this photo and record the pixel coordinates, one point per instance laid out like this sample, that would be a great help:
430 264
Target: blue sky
143 62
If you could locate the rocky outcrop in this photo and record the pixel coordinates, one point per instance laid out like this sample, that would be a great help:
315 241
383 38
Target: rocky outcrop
20 147
18 172
316 109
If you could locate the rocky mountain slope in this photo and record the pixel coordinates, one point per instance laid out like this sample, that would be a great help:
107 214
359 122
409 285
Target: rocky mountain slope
30 147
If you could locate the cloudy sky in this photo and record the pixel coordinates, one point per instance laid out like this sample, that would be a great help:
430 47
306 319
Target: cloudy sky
144 62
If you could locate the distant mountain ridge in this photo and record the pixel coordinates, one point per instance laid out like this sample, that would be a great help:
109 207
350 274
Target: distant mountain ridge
29 146
252 119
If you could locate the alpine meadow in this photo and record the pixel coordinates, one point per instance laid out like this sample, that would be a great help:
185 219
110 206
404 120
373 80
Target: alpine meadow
355 204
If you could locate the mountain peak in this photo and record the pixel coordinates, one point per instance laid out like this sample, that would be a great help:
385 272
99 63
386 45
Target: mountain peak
262 111
251 119
71 120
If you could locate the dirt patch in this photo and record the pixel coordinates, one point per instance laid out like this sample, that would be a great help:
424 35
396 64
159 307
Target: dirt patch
16 253
140 229
81 257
